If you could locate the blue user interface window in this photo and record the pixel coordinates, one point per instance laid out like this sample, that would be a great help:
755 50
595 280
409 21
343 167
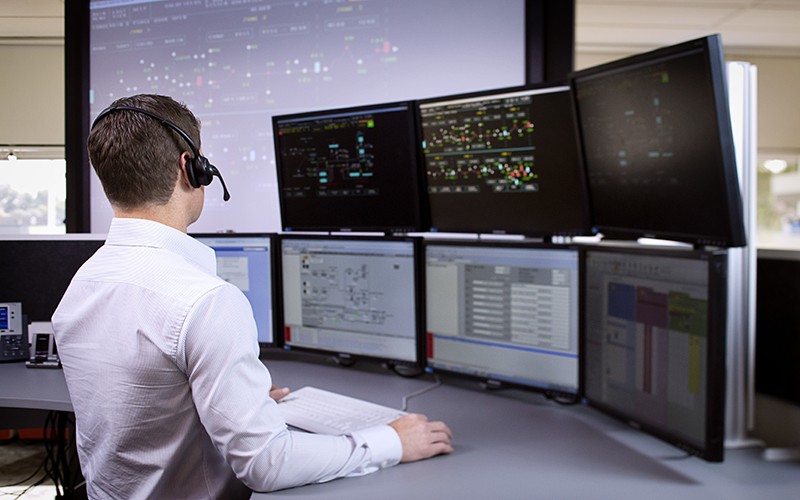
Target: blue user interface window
246 261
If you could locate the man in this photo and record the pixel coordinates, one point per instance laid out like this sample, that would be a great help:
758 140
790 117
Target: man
161 356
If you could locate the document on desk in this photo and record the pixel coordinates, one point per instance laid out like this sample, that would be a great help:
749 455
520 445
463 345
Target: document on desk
324 412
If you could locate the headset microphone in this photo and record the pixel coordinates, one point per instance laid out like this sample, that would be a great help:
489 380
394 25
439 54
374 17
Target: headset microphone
214 171
199 170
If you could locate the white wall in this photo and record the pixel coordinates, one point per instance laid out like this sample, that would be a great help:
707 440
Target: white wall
31 94
778 101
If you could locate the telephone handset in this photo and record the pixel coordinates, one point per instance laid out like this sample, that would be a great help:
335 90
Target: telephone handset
43 347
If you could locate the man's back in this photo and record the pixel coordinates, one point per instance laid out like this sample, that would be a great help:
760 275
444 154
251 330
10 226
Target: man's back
119 332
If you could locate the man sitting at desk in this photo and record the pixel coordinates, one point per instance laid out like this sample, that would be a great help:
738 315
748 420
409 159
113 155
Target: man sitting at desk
161 356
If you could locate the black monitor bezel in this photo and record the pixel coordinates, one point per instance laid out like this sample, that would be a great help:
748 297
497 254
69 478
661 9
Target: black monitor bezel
534 232
712 449
418 215
501 382
348 358
734 234
272 237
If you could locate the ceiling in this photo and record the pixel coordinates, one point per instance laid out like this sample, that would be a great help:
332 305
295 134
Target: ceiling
753 27
757 27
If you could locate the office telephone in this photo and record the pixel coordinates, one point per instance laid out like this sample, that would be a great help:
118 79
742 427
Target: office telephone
13 333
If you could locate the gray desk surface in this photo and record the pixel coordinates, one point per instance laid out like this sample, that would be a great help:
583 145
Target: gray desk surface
508 444
517 445
33 388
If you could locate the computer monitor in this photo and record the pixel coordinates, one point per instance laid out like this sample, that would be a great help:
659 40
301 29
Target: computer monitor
654 350
354 297
504 313
657 146
504 161
349 169
246 260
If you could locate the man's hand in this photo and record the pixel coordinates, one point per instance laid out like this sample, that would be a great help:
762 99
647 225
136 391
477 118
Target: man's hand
277 393
421 438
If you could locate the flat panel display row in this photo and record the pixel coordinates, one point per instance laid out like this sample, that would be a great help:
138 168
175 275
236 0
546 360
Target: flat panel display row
496 162
636 332
640 147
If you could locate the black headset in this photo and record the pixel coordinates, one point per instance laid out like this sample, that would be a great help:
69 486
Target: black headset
199 170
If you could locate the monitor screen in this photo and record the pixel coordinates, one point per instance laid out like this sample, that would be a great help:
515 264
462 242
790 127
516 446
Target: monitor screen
657 145
245 260
352 296
654 352
349 169
3 317
504 162
504 313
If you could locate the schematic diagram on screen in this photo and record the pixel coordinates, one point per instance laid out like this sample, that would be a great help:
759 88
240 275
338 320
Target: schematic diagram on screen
330 158
343 293
486 145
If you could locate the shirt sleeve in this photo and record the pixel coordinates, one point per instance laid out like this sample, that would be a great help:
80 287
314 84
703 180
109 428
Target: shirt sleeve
230 388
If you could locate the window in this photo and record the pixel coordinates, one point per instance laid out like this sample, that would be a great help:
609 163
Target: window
32 196
778 212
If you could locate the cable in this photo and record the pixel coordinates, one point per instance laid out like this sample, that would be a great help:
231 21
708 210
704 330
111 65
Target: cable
37 483
51 458
61 463
420 392
33 474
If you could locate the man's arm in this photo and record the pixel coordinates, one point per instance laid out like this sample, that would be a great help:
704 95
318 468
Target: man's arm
230 389
419 437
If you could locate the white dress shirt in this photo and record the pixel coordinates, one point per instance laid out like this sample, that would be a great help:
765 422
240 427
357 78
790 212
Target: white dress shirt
171 401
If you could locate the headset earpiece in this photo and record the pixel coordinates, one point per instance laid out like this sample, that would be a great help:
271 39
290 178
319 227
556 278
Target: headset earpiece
201 168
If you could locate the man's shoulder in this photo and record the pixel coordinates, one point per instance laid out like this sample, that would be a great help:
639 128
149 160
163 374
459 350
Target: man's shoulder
148 267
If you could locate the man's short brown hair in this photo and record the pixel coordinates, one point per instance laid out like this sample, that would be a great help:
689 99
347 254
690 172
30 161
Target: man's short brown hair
137 158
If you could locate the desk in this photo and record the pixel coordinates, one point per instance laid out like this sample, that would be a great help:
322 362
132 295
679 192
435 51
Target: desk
518 445
508 444
31 393
27 396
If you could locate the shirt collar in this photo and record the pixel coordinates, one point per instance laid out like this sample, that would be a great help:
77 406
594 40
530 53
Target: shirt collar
147 233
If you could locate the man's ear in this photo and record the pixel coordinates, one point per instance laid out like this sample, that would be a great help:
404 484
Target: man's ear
184 174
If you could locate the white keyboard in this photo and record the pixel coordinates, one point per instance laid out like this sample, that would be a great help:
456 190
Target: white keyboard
324 412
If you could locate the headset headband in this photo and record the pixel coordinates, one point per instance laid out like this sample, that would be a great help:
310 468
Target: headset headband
199 170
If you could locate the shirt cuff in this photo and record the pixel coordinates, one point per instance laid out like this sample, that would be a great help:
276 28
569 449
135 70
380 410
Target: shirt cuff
384 445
